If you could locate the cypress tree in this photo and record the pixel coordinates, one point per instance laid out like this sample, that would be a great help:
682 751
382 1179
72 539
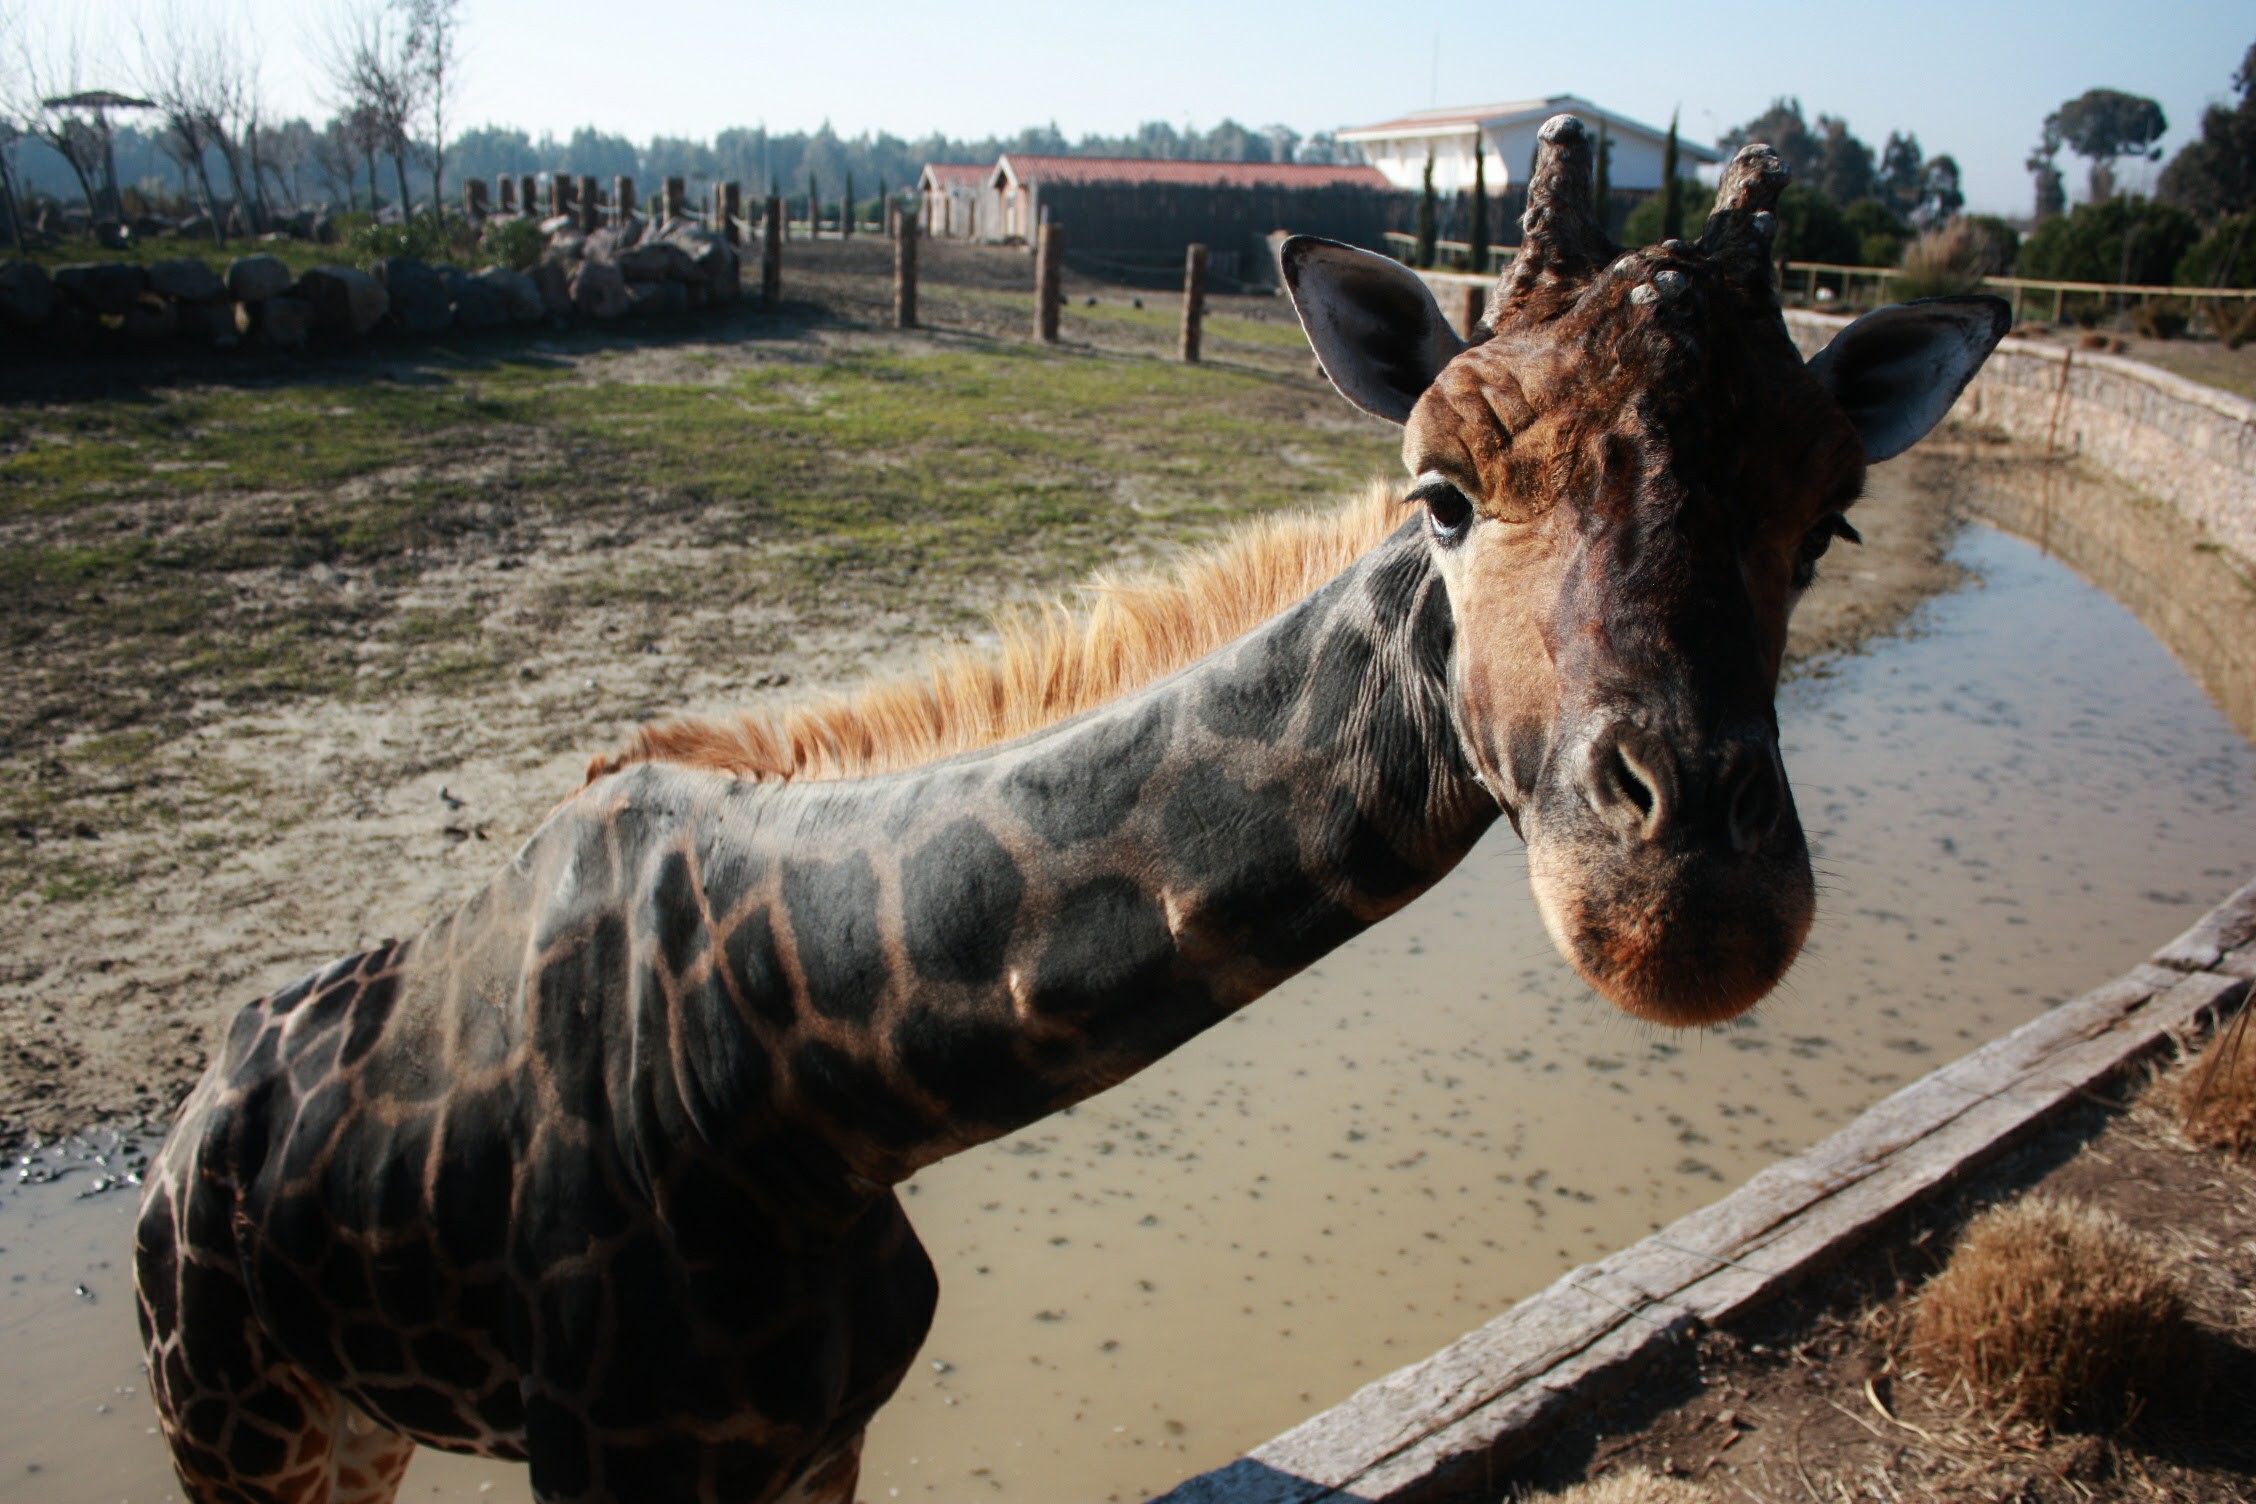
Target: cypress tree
1427 213
1477 235
1672 190
1602 181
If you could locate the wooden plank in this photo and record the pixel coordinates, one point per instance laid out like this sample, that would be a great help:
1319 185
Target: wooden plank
1496 1391
2228 926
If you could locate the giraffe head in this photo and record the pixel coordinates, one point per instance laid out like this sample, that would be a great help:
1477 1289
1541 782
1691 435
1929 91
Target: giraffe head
1628 475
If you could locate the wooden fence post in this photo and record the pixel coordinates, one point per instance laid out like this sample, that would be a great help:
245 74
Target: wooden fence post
559 195
904 271
1049 284
771 253
591 208
505 192
1194 300
474 199
1476 304
528 198
622 200
732 211
675 199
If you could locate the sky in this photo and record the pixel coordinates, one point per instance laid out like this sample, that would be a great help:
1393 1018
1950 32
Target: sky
1974 78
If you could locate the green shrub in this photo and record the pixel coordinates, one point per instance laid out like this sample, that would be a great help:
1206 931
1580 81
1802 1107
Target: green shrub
514 243
1643 227
424 238
1810 228
2001 243
2160 318
2225 257
1880 235
2116 240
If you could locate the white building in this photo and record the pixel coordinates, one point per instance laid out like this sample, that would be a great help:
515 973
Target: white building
1506 133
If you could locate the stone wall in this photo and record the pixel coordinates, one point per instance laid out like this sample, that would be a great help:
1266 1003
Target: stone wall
2176 440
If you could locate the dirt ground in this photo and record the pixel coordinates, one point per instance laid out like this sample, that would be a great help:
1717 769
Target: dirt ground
1812 1400
183 849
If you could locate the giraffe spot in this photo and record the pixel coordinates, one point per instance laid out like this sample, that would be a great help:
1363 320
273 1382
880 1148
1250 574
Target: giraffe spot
313 1059
855 1096
973 1065
254 1452
1254 699
448 1361
841 951
720 1072
344 1279
1109 945
472 1181
574 990
653 1470
673 915
571 1313
501 1410
960 893
1398 748
417 1410
219 1308
556 1446
750 948
369 1015
318 1118
1087 795
1335 685
1366 851
372 1349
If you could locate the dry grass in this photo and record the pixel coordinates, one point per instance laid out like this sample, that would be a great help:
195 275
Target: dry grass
1944 262
2214 1100
1633 1486
2054 1314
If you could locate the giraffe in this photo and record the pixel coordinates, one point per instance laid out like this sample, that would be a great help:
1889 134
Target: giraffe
597 1172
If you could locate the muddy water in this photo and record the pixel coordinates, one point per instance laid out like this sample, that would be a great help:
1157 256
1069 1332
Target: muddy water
2010 803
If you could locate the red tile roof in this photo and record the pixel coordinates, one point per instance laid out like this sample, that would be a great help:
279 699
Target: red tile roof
960 174
1096 170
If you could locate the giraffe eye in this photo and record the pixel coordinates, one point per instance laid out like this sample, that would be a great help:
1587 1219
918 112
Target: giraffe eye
1449 511
1816 541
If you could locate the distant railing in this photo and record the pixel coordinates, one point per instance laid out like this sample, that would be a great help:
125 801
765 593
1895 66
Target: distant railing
1826 281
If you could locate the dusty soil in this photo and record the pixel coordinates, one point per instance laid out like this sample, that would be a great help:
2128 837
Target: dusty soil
182 847
1813 1400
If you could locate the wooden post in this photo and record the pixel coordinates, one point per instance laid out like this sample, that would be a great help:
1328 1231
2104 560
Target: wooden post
591 209
732 210
1475 305
505 188
771 253
474 199
1194 300
528 199
559 194
1049 288
904 272
675 199
622 200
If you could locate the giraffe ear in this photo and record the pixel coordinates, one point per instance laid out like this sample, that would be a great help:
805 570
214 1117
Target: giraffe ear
1371 320
1897 371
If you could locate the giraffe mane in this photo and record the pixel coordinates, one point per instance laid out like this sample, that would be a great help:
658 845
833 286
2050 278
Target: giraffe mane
1052 661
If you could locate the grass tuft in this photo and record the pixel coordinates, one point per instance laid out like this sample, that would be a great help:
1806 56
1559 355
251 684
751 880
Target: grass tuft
2054 1314
2215 1099
1633 1486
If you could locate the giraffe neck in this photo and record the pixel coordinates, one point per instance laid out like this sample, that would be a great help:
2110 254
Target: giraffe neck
982 942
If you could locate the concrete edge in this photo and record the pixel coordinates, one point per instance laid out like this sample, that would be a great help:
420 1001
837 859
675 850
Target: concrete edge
1494 1394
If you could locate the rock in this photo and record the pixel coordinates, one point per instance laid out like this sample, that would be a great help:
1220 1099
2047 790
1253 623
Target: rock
27 296
657 297
281 323
554 284
208 324
344 301
658 261
152 318
102 286
567 244
184 279
604 245
254 279
481 305
419 295
599 290
520 294
713 260
557 224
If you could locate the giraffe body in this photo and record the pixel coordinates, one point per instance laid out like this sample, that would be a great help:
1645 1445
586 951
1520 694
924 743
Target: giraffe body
597 1171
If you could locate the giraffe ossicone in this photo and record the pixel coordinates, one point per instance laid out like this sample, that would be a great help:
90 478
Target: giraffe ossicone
597 1171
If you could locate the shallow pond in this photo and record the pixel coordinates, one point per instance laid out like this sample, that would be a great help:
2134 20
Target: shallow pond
2010 803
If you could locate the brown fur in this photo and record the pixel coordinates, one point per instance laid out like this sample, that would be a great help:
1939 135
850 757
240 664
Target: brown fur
1053 662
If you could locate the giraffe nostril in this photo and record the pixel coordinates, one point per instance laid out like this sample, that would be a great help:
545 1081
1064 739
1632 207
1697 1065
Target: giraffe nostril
1754 788
1628 782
